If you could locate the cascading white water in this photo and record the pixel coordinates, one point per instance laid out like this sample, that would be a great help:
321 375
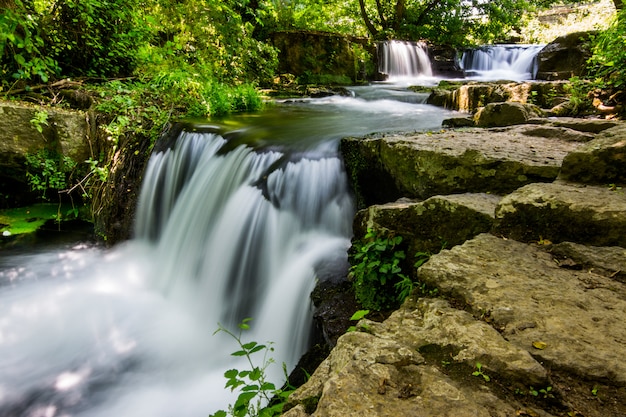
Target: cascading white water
220 237
404 59
517 62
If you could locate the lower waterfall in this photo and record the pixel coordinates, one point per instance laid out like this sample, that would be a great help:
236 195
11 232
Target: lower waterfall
228 227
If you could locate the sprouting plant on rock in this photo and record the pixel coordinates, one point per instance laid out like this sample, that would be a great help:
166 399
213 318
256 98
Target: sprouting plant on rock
479 372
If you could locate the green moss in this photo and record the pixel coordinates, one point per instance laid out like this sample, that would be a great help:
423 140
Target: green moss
22 220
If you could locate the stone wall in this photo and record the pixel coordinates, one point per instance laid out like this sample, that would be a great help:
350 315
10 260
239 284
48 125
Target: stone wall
316 53
67 132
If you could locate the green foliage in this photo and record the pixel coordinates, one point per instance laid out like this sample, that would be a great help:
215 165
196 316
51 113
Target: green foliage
608 63
48 171
258 397
376 270
541 393
97 38
23 51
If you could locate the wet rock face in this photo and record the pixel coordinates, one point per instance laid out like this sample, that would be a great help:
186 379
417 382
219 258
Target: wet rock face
420 166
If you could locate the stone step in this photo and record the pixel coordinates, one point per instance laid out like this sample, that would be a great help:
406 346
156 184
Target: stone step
557 212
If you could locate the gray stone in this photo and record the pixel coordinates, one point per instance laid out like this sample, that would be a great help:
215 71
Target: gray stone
440 221
572 320
379 372
505 114
600 161
565 57
560 212
498 161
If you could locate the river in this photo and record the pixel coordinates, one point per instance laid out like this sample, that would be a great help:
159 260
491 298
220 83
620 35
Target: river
234 224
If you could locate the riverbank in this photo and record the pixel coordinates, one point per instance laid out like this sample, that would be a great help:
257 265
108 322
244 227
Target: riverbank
530 286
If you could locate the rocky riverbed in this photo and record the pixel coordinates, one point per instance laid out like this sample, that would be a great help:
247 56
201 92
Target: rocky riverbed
528 317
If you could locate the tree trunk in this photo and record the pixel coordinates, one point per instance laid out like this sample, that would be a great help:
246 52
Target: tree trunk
400 9
368 23
619 4
381 15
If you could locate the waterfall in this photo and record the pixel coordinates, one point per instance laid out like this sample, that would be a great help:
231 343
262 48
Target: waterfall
223 232
514 61
404 59
244 227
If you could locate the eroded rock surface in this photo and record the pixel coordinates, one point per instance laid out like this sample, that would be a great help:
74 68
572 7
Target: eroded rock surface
498 161
539 301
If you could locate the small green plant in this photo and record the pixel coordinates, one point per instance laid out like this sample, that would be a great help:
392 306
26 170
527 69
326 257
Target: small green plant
356 317
258 397
594 391
39 120
542 393
479 372
376 271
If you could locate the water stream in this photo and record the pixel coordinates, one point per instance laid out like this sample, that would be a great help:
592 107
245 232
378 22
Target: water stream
231 225
234 224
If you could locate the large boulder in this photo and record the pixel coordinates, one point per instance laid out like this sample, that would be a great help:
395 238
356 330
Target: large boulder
419 362
601 161
571 319
565 57
528 330
498 161
65 133
506 114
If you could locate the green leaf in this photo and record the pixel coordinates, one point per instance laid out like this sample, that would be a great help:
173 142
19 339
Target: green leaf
231 373
249 345
239 353
359 314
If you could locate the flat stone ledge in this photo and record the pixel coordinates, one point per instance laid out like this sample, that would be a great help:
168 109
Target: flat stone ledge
560 211
577 316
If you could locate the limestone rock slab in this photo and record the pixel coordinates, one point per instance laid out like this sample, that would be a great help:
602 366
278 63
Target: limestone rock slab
429 225
522 291
600 161
498 161
380 372
561 211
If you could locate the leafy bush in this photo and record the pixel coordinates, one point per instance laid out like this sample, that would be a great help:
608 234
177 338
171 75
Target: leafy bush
609 53
376 271
22 48
48 171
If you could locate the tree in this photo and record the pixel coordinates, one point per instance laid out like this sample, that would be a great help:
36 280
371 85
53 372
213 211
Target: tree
445 21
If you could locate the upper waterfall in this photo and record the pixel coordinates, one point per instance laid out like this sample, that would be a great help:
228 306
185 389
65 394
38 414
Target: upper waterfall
404 59
501 61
